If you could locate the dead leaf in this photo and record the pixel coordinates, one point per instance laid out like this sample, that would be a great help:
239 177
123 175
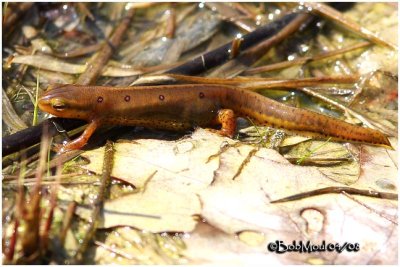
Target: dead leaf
231 184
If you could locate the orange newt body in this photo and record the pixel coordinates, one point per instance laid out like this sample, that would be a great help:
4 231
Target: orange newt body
182 107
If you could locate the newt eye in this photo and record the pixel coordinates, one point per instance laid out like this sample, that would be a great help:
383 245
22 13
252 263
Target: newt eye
58 104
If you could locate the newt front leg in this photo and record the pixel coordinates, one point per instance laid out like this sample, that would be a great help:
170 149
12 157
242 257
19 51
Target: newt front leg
79 142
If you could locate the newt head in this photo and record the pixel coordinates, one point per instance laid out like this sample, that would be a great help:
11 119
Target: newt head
66 101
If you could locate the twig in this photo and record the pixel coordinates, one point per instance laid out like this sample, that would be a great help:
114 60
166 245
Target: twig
220 55
100 59
98 206
253 54
31 136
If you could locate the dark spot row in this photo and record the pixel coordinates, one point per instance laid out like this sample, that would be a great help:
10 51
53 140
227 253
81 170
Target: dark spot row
127 98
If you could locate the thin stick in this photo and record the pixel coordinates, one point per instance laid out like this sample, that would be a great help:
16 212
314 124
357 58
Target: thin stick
100 59
220 55
98 206
338 190
253 54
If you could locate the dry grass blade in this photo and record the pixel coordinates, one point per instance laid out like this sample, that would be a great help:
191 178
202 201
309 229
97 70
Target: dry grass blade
250 83
10 117
79 51
338 190
337 17
304 60
296 83
318 161
55 65
49 63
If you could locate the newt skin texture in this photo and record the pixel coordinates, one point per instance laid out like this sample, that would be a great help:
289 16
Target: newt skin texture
182 107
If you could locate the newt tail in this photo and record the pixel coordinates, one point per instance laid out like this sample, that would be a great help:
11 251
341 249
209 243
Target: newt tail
265 111
182 107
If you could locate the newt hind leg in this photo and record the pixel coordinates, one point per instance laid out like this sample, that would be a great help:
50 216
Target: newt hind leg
227 119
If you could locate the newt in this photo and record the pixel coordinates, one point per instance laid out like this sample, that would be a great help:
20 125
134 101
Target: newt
182 107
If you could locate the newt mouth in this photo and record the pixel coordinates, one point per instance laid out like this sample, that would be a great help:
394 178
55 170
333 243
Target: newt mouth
44 103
